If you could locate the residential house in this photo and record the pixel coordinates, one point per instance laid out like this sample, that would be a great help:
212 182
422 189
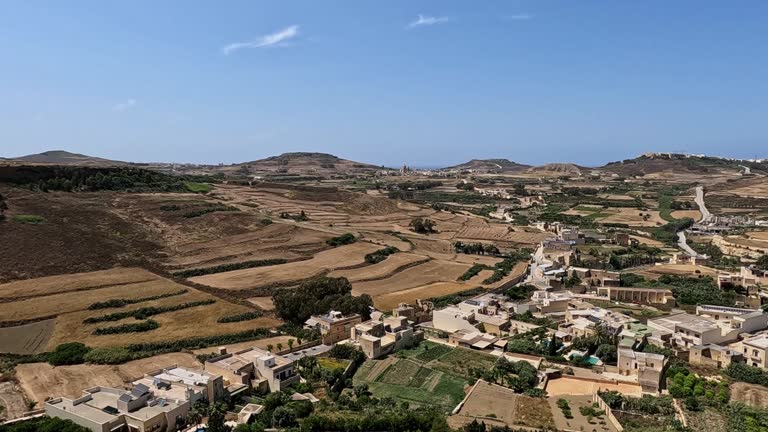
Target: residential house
180 383
253 367
378 338
334 327
647 367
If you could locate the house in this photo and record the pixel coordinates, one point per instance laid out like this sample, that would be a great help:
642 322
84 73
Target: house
378 338
104 409
253 367
179 383
476 340
635 295
714 355
334 327
421 312
755 350
711 325
647 367
452 319
584 322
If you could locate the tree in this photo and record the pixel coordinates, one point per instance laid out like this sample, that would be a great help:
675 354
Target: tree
216 417
422 225
290 344
195 416
279 346
283 417
762 262
68 354
270 347
318 296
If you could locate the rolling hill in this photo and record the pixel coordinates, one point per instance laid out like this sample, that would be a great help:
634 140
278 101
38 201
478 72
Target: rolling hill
305 163
62 157
489 166
653 163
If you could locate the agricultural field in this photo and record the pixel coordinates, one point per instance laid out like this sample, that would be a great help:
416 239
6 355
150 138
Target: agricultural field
631 217
55 310
574 386
497 405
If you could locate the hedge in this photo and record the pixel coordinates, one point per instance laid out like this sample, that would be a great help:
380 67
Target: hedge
247 316
140 327
116 303
146 312
229 267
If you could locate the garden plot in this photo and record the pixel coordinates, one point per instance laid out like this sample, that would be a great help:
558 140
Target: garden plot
499 405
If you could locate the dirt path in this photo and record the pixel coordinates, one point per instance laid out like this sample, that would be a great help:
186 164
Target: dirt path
12 399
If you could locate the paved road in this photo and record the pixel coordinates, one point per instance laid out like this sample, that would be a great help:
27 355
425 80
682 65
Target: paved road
705 214
747 170
682 243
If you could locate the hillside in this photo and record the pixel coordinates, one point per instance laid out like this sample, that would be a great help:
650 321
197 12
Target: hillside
654 163
489 166
61 157
558 169
307 164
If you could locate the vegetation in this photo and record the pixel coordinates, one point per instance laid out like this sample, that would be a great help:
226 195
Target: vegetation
146 312
422 225
29 219
117 303
668 233
140 327
476 248
198 187
452 299
108 355
762 262
697 391
44 424
229 267
68 354
341 240
505 267
380 255
520 376
473 271
3 207
746 373
301 217
209 209
565 408
318 296
77 178
520 292
247 316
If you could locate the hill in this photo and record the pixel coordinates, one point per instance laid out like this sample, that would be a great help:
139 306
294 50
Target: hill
559 169
61 157
307 164
489 166
654 163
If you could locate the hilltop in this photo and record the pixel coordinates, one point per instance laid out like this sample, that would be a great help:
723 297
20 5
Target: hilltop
489 166
654 163
559 169
306 163
62 157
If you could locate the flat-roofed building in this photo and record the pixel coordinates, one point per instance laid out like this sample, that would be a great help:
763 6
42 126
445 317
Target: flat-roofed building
476 340
647 367
179 383
104 409
636 295
253 367
714 356
334 327
755 350
452 319
714 325
378 338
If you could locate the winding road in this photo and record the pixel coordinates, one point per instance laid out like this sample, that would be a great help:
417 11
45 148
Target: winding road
682 243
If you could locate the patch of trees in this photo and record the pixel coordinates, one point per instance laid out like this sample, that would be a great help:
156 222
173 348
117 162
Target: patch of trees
44 424
565 408
634 256
697 290
117 303
73 178
747 374
762 262
68 354
422 225
301 217
209 209
146 312
473 271
229 267
476 248
140 327
149 349
505 267
465 186
452 299
520 292
341 240
380 255
3 207
318 296
246 316
108 355
420 185
385 416
668 233
715 254
170 207
520 376
646 405
485 210
697 391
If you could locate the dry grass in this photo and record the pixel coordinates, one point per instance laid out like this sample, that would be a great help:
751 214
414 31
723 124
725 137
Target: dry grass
342 256
749 394
573 386
261 343
654 272
681 214
759 235
379 270
418 276
26 339
387 302
632 217
507 408
41 381
263 303
74 282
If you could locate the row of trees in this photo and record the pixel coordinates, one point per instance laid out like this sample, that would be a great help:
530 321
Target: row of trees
422 225
476 248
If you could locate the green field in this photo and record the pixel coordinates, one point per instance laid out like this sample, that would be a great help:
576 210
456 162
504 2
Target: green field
428 374
198 187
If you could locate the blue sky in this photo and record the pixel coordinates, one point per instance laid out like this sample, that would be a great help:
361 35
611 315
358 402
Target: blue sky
419 82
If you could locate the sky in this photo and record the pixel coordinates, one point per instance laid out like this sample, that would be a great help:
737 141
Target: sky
426 83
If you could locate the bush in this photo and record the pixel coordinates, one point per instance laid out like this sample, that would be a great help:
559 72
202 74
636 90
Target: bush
229 267
146 312
108 355
29 219
198 187
473 271
341 240
143 326
209 209
68 354
380 255
247 316
44 424
116 303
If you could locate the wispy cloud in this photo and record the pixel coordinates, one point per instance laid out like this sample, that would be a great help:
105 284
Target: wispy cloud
122 106
425 20
518 17
278 38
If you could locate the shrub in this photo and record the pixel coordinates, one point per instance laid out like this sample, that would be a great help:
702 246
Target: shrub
229 267
341 240
140 327
44 424
116 303
198 187
247 316
108 355
380 255
146 312
68 354
209 209
29 219
473 271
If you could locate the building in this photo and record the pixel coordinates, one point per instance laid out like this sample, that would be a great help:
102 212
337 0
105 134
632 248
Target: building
452 319
476 340
104 409
647 367
636 295
179 383
584 322
714 355
378 338
334 327
711 325
421 312
755 350
253 367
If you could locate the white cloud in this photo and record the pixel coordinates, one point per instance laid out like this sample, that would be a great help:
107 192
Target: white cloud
122 106
278 38
518 17
423 20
